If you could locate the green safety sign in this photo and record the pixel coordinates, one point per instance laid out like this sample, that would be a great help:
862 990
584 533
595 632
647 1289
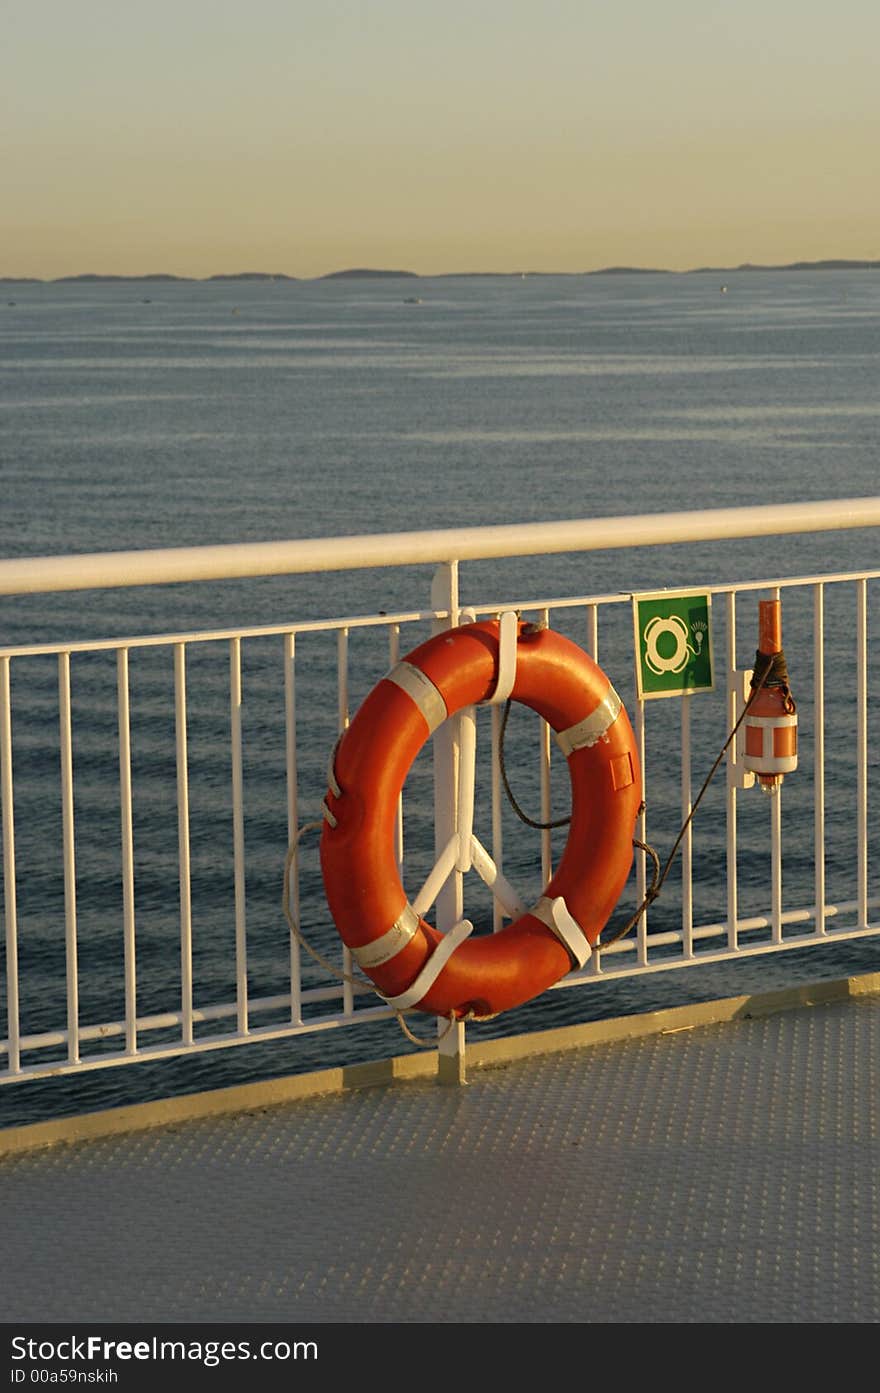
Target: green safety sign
673 636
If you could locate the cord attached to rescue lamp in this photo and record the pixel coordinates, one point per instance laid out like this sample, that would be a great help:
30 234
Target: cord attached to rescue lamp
771 718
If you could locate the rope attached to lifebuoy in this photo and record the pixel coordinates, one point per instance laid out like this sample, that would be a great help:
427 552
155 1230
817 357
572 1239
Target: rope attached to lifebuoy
290 861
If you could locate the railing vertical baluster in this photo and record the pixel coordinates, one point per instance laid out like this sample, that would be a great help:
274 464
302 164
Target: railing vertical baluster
862 748
343 721
732 716
186 975
342 678
127 837
450 900
467 764
451 1041
687 887
819 753
393 659
241 976
9 891
776 865
593 632
642 824
67 814
592 626
776 852
497 827
292 823
546 835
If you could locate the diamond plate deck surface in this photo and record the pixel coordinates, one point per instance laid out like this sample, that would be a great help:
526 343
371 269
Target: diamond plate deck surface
725 1174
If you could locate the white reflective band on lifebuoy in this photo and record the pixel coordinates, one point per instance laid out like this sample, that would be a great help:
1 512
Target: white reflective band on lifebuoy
433 967
421 689
554 913
381 950
590 730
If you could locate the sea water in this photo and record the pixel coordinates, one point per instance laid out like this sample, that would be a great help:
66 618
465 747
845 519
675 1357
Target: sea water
165 414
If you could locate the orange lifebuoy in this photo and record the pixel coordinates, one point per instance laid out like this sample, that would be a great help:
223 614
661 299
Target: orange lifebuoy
397 949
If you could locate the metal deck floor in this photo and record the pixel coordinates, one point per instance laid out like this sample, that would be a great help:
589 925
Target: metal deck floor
728 1173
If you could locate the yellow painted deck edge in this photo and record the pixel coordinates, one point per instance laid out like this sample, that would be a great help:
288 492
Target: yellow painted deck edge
480 1055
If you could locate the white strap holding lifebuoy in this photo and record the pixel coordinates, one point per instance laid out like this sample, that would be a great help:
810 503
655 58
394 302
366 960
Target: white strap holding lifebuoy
555 914
508 629
332 783
433 967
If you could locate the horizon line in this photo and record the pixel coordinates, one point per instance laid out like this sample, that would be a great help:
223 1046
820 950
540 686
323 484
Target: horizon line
825 263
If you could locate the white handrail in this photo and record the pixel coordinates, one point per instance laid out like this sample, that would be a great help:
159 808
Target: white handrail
100 570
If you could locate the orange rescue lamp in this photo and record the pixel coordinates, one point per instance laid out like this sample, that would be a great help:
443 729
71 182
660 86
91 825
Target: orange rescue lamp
771 719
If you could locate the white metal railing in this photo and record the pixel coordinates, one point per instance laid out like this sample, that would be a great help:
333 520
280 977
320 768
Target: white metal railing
194 859
42 575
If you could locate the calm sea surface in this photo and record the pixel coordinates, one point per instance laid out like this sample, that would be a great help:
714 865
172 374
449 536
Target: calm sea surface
137 415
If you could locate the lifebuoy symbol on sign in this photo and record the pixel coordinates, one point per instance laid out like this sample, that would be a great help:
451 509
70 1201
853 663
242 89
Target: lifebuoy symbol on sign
678 631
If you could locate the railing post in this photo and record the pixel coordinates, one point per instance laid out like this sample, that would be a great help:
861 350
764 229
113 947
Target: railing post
819 753
69 842
687 846
447 751
9 891
862 749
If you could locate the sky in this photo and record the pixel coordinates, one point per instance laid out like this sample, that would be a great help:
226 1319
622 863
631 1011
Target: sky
202 137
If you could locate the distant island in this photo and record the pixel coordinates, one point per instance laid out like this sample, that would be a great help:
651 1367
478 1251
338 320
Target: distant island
254 276
92 276
363 272
369 273
829 265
